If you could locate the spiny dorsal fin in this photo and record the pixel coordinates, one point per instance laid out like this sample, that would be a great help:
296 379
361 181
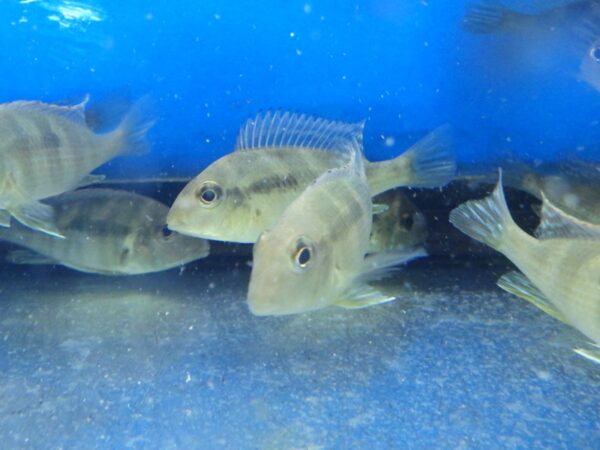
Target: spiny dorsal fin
76 113
557 224
285 129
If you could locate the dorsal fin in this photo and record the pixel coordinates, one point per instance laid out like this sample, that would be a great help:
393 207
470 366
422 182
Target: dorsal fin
76 113
285 129
556 224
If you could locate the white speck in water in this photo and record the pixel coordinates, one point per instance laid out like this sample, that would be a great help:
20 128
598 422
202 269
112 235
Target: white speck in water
389 141
307 8
292 34
188 377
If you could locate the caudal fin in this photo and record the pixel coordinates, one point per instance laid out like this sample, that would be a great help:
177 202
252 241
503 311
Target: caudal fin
432 159
130 135
485 220
488 16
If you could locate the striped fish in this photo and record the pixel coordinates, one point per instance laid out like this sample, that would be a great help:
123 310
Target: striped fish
314 256
46 150
277 156
106 231
559 268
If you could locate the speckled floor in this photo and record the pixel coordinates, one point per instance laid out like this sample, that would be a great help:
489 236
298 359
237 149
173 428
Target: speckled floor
174 360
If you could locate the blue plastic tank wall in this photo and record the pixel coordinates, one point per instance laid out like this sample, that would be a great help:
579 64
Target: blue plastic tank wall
406 66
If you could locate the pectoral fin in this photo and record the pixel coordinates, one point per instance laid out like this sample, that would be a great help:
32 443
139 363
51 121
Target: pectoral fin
4 218
379 208
362 296
37 216
90 179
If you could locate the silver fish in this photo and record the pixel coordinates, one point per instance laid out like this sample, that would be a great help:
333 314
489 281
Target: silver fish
277 156
106 231
560 268
46 150
314 255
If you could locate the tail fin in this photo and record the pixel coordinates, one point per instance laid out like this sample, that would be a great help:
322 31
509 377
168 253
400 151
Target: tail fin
485 220
130 135
432 159
489 16
428 163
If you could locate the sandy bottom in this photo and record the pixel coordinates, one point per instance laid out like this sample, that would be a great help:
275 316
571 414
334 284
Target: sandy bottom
175 360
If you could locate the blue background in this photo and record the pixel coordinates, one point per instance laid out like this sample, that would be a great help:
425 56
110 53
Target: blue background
406 66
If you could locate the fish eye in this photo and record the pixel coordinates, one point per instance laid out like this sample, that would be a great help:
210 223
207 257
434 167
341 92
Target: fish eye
303 254
209 194
407 222
595 53
166 231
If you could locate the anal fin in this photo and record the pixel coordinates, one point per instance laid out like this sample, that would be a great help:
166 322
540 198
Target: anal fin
518 284
37 216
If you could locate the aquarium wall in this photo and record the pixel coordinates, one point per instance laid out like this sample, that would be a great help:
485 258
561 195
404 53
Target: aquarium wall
405 67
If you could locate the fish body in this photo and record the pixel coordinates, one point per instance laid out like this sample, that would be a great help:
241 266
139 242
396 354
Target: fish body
106 231
314 255
563 262
402 225
277 157
46 150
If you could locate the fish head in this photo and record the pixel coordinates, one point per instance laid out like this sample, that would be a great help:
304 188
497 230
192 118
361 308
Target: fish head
212 206
156 248
289 274
589 69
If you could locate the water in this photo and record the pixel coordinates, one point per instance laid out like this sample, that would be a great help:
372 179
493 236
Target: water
175 359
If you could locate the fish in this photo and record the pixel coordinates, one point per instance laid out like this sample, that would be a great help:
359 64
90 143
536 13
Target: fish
314 256
491 16
276 157
48 149
106 231
573 186
402 225
558 266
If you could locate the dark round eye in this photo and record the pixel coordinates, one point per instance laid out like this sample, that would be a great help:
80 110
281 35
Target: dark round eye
166 232
303 254
407 222
595 53
209 193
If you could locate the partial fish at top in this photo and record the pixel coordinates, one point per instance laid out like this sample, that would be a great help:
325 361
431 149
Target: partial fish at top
277 156
559 269
576 22
48 149
315 254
